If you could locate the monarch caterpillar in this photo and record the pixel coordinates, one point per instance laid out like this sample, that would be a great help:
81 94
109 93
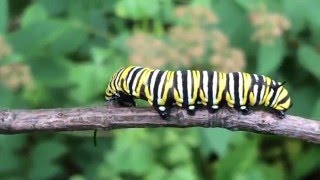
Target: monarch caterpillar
188 88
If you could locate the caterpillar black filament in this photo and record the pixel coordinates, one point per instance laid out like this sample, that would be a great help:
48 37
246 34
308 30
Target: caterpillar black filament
188 88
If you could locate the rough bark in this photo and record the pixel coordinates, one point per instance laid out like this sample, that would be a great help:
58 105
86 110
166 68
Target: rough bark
108 118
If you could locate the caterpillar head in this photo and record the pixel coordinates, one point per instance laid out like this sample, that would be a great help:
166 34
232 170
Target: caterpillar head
282 101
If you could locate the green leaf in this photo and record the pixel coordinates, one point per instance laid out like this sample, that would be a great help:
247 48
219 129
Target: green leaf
313 13
43 165
9 148
216 140
304 100
310 60
85 77
130 147
157 172
36 36
316 110
138 9
308 162
9 161
183 156
34 13
6 96
249 5
3 16
205 3
55 7
68 41
270 172
50 36
296 11
270 56
184 172
13 142
95 74
50 71
231 21
235 164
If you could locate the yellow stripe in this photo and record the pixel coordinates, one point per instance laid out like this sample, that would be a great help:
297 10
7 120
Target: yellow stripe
246 87
228 97
144 80
196 84
283 94
268 83
286 105
176 96
123 78
139 83
222 78
252 99
202 97
167 85
112 81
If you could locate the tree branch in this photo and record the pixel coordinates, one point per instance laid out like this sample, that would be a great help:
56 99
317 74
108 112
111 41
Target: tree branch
108 118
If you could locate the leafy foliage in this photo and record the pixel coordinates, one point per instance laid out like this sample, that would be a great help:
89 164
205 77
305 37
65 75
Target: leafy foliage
62 54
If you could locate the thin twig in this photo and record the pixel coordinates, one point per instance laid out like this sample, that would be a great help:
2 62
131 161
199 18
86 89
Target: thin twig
108 118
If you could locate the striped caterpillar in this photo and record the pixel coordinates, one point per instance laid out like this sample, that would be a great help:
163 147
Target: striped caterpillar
188 88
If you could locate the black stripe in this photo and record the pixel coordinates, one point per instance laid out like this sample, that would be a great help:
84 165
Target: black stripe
141 90
175 82
253 82
210 86
219 79
149 81
236 90
227 87
243 85
273 96
115 82
185 88
192 84
164 84
156 87
260 83
283 100
201 84
133 77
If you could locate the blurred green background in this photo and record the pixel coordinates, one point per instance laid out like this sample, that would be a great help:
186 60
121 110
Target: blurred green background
62 54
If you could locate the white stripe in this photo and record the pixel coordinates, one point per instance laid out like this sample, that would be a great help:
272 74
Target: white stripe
205 84
153 81
270 95
130 76
240 91
179 81
161 84
276 98
231 86
255 92
189 84
264 78
214 87
135 82
262 94
273 82
256 77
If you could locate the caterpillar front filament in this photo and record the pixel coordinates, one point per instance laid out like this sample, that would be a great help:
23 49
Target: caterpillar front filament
188 88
